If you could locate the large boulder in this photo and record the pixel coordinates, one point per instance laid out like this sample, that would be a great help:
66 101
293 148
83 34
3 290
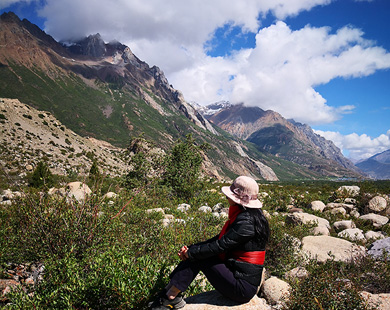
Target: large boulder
78 191
317 205
275 290
377 301
215 301
375 219
379 247
341 225
376 205
354 234
349 190
323 248
306 218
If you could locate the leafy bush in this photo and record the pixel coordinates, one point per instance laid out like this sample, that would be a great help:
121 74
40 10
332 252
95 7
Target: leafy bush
41 176
326 287
183 168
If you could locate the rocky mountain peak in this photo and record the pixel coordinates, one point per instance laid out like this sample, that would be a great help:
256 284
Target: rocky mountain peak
93 46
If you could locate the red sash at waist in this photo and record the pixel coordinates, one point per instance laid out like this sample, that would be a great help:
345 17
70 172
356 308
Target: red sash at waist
253 257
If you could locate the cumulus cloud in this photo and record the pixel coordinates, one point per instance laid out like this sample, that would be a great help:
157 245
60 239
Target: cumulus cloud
358 146
280 72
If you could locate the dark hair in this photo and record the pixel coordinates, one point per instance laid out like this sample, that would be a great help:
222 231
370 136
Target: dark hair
261 224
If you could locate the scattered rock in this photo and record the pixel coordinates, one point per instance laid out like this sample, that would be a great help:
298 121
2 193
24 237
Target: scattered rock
323 248
184 207
350 190
299 273
374 235
376 205
375 219
377 301
205 209
320 231
317 205
341 225
78 191
306 218
275 290
110 195
215 301
354 234
161 210
379 247
338 210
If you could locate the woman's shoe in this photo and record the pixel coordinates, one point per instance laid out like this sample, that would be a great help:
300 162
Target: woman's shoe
162 302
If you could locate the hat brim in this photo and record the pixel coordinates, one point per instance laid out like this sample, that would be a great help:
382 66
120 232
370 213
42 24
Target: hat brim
254 204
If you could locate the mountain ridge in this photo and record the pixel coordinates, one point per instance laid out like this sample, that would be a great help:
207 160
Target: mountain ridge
272 133
106 92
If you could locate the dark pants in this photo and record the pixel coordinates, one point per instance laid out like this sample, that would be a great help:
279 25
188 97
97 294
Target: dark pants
219 275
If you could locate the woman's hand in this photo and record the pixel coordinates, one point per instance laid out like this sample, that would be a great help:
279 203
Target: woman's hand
183 255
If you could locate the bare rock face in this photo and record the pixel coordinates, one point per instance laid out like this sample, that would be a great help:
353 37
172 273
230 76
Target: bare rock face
215 301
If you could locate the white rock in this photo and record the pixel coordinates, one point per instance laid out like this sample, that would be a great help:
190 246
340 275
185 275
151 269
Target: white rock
155 210
354 234
350 201
306 218
218 207
205 209
183 207
320 231
351 190
317 205
323 248
354 213
377 301
341 225
375 235
78 191
297 273
276 290
375 219
215 301
110 195
377 204
339 210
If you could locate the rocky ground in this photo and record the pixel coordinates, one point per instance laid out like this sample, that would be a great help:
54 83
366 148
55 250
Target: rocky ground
350 244
28 136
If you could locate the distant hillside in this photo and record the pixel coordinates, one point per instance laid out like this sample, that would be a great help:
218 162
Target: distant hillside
287 139
377 166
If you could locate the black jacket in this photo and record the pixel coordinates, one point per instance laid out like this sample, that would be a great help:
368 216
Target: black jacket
241 236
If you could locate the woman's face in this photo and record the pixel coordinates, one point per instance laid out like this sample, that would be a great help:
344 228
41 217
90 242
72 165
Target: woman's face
231 202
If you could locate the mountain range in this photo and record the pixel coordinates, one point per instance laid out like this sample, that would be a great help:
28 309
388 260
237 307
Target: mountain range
377 166
103 91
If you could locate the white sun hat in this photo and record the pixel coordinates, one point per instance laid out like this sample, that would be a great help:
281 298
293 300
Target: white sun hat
243 191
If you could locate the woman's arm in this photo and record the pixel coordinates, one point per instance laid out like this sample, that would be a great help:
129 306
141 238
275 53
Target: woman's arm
240 232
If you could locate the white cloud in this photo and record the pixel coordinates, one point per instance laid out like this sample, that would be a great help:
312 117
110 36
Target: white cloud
358 146
6 3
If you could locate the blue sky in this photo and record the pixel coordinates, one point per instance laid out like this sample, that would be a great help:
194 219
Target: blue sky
322 62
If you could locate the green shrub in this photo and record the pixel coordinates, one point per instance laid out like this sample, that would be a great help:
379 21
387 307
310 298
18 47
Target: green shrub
326 287
41 176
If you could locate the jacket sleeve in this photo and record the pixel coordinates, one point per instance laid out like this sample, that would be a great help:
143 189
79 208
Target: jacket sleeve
240 232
